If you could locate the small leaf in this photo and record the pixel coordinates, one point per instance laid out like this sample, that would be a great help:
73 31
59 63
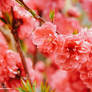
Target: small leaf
23 46
21 90
52 14
33 13
3 20
28 85
34 86
8 18
42 87
75 32
45 87
23 84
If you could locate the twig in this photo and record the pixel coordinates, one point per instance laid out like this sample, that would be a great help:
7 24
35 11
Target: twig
35 57
8 37
4 87
21 2
18 46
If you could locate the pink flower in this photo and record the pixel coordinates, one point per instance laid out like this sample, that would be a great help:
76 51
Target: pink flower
69 25
43 4
48 47
76 83
87 6
56 5
63 81
31 48
14 64
58 81
3 44
41 34
45 38
73 12
60 43
86 34
40 66
3 70
73 51
86 74
5 5
25 30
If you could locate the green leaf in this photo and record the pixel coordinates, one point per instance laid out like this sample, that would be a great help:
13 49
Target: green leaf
3 20
45 88
34 86
21 90
42 87
23 84
75 32
23 46
28 85
52 14
32 12
8 18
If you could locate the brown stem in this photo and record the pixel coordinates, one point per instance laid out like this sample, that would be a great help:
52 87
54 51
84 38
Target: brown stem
4 87
35 57
9 38
21 2
90 90
17 43
18 46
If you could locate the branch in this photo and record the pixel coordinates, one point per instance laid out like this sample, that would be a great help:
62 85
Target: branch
17 42
37 17
4 87
35 57
8 37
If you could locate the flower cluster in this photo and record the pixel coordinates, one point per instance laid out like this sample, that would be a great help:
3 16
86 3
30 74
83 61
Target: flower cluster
71 52
57 51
